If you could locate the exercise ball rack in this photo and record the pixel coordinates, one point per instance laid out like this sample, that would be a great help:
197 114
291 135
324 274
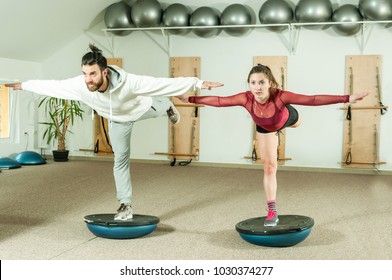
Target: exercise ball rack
290 42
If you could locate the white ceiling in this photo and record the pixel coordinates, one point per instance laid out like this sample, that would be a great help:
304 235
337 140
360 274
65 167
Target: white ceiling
32 30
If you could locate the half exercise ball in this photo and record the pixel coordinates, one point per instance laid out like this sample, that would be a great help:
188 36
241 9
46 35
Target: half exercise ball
291 230
350 14
275 12
28 158
146 13
313 11
104 225
376 9
236 14
118 15
205 16
176 15
9 163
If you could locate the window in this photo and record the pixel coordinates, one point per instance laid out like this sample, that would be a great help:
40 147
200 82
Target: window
4 112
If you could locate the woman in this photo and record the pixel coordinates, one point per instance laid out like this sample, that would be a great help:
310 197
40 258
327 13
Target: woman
270 109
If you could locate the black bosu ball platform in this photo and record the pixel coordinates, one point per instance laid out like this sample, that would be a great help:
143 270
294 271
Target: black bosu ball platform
104 225
291 230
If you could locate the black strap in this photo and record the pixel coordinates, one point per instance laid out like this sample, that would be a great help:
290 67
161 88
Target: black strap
254 155
183 163
383 109
348 159
348 116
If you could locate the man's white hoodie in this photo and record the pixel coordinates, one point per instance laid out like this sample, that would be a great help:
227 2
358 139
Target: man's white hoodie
127 98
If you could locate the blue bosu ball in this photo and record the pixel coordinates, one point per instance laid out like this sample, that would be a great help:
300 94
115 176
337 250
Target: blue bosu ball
291 230
104 225
29 158
9 163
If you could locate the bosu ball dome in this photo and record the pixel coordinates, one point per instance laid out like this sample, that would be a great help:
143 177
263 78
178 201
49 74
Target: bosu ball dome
9 163
291 230
29 158
104 225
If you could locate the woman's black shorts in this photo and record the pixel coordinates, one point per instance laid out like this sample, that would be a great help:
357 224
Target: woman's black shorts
293 118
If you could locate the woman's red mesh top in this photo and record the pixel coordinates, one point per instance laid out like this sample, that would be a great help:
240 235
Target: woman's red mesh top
273 114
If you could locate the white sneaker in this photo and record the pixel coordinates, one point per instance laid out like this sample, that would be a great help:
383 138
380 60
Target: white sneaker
174 115
124 212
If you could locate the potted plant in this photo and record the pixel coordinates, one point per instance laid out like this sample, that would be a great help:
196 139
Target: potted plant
61 114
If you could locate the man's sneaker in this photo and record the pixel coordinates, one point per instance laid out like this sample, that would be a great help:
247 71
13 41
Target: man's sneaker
124 212
174 115
272 219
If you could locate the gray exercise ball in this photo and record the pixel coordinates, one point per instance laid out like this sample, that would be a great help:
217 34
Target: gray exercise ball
275 12
350 14
376 9
313 11
176 15
236 14
146 13
118 15
205 16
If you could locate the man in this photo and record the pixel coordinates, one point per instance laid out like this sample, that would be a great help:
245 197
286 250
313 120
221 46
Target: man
123 99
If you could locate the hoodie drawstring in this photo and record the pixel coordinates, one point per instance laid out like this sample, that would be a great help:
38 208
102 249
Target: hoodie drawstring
110 106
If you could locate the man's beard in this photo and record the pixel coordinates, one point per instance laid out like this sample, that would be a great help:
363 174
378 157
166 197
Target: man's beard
94 86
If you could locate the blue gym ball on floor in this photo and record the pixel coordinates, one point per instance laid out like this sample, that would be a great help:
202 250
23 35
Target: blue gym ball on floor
291 230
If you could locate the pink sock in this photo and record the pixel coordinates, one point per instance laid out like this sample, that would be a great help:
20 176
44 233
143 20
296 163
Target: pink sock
271 205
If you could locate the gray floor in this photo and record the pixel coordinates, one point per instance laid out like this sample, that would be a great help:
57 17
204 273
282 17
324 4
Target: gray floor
42 209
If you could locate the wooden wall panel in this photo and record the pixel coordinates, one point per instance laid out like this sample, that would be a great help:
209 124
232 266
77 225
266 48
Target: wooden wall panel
184 137
102 146
362 130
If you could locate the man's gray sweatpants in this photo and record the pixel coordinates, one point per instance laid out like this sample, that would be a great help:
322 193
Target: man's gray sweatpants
120 138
